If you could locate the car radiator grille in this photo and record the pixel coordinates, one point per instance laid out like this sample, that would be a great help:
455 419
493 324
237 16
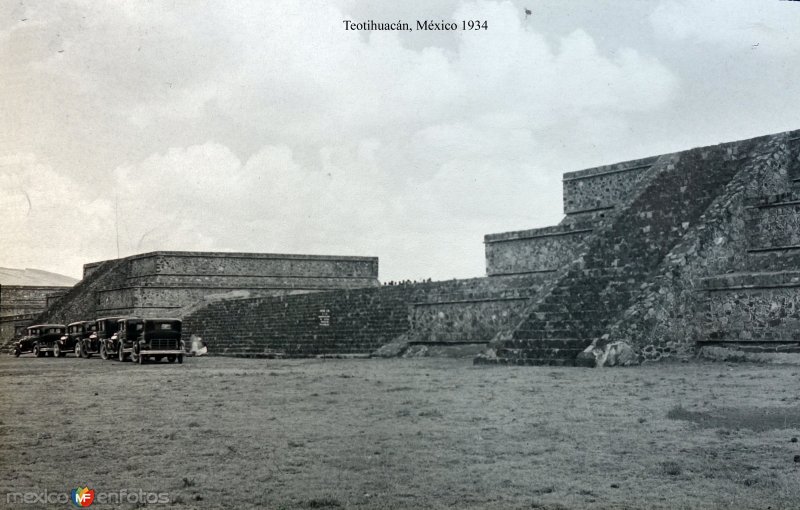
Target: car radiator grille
164 343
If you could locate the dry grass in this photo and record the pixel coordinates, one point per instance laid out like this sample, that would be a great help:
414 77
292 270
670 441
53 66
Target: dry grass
404 433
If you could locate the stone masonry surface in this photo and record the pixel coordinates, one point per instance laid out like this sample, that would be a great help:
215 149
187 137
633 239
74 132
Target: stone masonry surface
165 283
636 277
359 321
19 304
670 313
535 251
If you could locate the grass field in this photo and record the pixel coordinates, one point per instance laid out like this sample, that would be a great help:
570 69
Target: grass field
403 433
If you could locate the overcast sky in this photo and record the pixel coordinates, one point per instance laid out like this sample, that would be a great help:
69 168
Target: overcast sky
267 127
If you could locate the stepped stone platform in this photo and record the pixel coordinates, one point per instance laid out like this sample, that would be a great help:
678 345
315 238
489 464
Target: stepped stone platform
171 284
651 271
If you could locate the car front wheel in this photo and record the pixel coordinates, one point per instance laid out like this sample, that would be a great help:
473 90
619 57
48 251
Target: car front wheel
78 350
103 352
57 352
37 351
17 352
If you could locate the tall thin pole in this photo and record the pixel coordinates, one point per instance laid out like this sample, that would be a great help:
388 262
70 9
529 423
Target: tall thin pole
116 218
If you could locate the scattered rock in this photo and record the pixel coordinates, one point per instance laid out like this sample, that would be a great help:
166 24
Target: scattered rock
590 357
619 354
488 354
793 440
393 349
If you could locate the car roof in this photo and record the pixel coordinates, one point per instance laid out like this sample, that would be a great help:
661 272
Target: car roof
47 326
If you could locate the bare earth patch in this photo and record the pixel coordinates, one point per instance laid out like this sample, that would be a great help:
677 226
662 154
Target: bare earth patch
403 433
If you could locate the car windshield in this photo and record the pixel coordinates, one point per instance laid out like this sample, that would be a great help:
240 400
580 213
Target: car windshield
164 326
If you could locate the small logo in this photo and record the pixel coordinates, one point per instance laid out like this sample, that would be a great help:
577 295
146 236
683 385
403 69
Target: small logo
82 496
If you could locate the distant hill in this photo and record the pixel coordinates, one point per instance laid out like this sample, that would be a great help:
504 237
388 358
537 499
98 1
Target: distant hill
34 278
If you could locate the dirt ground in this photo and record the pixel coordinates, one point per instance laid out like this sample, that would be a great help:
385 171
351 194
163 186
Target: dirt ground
402 433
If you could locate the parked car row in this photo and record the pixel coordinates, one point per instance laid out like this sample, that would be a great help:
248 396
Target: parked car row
119 338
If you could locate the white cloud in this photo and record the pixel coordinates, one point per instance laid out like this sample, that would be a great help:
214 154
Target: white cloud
50 220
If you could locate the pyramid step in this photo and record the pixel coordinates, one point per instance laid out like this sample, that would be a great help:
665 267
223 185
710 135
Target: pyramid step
536 329
550 343
584 315
540 353
527 362
532 362
581 329
556 305
543 333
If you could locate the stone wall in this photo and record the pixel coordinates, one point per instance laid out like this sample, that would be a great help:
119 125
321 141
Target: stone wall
752 307
359 321
169 301
198 266
774 226
23 299
540 250
602 188
342 322
464 321
475 312
20 304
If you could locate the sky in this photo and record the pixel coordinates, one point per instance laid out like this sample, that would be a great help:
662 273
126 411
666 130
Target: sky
249 126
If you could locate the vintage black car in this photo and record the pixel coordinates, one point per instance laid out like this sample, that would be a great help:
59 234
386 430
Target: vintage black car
71 340
125 331
102 330
39 339
160 338
88 330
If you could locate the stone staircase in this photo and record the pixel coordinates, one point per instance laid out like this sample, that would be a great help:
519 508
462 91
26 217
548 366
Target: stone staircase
794 161
619 259
80 303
